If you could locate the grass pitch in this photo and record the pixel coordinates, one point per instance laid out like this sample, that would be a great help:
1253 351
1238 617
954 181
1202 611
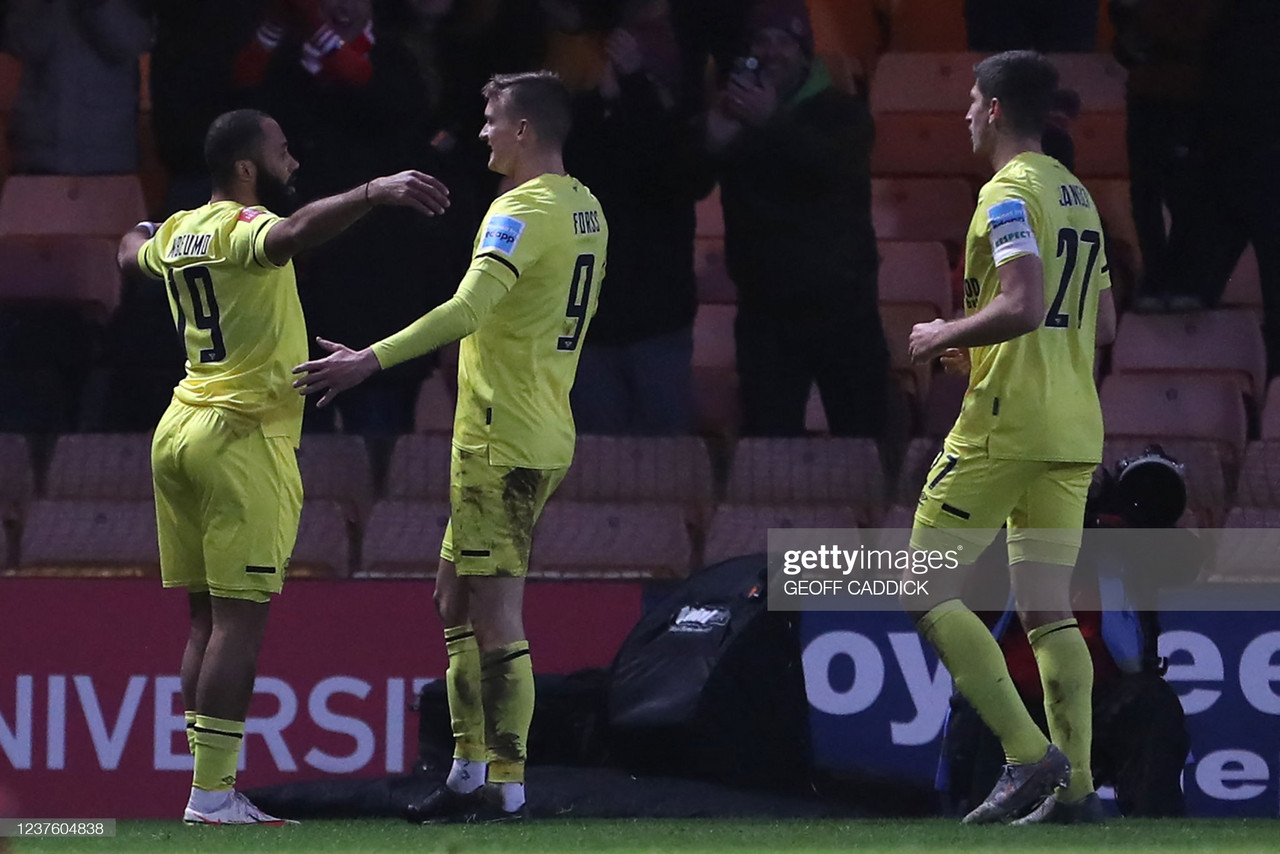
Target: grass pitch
657 835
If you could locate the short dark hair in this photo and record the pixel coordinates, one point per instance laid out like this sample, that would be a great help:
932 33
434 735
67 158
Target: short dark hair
1025 83
232 136
540 97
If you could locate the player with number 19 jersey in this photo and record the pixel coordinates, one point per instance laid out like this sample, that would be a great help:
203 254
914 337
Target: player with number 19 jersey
238 314
1034 397
545 241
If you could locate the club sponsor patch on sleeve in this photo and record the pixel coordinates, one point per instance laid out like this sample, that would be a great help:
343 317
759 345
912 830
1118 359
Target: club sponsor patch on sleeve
249 215
501 234
1010 227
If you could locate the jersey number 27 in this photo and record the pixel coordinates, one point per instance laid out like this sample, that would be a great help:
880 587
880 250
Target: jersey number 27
1069 241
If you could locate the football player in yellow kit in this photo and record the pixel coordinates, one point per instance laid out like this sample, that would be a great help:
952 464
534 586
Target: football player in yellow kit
1026 442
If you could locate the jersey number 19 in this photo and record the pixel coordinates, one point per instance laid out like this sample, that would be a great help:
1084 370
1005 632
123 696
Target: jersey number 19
204 309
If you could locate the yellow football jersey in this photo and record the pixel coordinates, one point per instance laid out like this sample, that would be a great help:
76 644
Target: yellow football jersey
238 314
1034 397
545 241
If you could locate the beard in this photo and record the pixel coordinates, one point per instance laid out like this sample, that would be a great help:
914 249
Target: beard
279 197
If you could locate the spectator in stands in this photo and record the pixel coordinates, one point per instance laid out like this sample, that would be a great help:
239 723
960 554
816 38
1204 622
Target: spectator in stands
1243 141
1059 26
355 110
1164 44
76 111
793 157
635 144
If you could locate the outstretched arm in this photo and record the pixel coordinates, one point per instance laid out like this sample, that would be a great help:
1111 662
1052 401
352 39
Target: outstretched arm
457 318
325 218
127 253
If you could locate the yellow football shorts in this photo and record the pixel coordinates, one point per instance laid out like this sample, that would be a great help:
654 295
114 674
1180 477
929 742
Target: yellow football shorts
968 497
228 500
492 511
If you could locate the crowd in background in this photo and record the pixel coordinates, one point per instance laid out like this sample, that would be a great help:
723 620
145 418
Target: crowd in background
671 98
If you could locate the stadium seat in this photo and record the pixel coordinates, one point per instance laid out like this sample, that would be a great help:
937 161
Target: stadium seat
1209 474
710 216
17 477
1101 147
1259 483
73 270
323 547
916 273
1225 343
335 467
927 26
437 401
1248 547
1271 411
1244 288
837 471
714 284
37 400
419 468
89 538
815 414
1097 77
894 528
86 206
921 208
640 469
402 538
103 466
610 541
1162 408
744 530
716 405
923 83
925 144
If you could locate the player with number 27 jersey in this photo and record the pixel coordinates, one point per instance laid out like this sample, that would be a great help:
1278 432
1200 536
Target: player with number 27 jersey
1034 397
545 242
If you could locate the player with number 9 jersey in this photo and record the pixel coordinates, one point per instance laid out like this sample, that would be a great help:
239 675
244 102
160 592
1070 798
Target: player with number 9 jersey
1034 397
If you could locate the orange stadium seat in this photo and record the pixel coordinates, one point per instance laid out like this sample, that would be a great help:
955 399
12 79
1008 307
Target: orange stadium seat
323 547
744 530
610 541
1224 343
924 83
847 27
897 319
76 538
402 538
921 208
1271 411
1111 196
1165 407
17 476
838 471
61 269
715 373
419 468
915 272
927 25
436 404
335 467
104 466
70 205
641 469
1259 484
925 144
1097 78
1101 147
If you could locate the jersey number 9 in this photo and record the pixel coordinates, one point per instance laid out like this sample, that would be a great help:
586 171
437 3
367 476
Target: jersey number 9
579 299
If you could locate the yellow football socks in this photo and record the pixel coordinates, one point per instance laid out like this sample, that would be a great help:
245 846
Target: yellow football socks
507 680
977 665
1066 672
